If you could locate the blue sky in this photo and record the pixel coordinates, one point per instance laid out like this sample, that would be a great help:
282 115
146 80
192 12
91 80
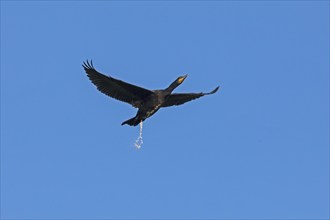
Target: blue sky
259 148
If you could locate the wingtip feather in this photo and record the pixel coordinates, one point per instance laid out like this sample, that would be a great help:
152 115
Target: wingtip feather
214 90
88 65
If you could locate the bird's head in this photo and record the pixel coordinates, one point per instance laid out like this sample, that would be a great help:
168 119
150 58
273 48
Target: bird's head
176 83
180 79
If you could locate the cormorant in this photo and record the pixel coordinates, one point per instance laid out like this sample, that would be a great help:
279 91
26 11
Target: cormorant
147 101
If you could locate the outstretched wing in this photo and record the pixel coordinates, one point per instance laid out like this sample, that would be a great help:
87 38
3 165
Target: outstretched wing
115 88
181 98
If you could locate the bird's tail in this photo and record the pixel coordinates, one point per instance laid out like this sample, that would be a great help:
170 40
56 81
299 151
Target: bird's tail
133 121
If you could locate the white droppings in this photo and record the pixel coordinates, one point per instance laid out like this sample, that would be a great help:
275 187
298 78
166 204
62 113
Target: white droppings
139 141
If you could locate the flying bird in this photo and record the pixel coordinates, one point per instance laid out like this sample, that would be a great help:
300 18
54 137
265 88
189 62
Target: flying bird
147 101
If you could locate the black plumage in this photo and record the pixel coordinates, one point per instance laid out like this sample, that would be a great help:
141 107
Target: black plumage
147 101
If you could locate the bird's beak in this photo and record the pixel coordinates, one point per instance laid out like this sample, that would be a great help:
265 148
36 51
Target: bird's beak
182 78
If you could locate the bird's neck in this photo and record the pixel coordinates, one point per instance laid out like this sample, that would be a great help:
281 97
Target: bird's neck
171 87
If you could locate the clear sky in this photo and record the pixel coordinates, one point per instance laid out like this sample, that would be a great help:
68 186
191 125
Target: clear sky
259 148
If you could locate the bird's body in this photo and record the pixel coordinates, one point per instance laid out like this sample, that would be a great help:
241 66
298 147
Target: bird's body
148 102
150 106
